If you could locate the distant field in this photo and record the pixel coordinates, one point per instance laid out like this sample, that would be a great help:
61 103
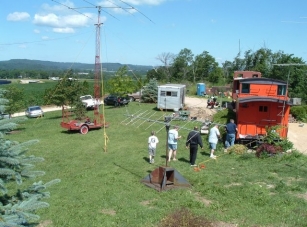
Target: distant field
34 92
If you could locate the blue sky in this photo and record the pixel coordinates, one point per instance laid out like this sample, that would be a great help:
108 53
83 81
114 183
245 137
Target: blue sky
48 30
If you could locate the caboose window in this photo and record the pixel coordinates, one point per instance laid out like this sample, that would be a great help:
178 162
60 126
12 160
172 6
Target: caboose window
263 109
162 93
281 90
245 88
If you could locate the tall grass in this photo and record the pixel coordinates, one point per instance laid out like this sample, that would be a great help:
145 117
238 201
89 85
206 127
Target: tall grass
101 188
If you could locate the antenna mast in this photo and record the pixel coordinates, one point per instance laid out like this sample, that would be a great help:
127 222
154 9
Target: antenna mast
97 84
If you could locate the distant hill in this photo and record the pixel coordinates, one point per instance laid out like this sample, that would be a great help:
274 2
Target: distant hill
25 64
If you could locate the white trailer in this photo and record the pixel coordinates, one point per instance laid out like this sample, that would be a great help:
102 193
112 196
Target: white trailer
171 96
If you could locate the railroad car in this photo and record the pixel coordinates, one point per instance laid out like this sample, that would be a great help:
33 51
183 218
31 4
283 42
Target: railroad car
259 103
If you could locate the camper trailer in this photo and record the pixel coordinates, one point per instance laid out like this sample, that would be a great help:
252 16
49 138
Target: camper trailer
171 96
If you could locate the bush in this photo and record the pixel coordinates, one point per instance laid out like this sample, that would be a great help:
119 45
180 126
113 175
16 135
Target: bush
184 217
238 149
285 144
299 112
267 149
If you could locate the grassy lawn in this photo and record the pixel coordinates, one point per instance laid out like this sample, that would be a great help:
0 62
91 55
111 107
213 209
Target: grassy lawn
101 188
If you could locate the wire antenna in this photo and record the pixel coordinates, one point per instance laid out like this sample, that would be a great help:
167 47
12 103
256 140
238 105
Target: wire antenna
137 11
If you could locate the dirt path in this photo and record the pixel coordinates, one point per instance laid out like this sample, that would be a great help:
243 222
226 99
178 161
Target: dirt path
44 108
297 133
198 108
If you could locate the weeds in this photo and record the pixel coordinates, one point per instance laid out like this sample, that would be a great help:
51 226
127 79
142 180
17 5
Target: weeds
184 218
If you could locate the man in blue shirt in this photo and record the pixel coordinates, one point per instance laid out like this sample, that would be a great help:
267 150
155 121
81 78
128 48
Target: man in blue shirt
231 129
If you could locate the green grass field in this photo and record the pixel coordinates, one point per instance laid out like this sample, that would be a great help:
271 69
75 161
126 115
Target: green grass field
103 189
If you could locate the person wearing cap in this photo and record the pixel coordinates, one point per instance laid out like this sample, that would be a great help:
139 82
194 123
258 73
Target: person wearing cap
193 140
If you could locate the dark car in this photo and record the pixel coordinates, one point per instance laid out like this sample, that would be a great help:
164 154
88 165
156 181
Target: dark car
116 100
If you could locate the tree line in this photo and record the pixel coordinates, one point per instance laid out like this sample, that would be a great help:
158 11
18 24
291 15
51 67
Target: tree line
187 67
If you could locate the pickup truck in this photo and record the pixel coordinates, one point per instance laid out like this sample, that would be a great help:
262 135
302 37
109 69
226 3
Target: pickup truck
89 102
134 96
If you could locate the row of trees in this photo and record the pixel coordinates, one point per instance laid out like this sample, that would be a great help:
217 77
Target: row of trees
185 67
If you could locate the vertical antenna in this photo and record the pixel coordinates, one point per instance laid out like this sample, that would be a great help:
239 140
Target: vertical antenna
97 90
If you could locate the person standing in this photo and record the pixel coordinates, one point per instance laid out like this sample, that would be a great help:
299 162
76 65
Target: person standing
231 129
193 140
172 143
214 135
152 146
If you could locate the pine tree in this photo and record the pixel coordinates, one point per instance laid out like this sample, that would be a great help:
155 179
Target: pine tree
17 208
150 92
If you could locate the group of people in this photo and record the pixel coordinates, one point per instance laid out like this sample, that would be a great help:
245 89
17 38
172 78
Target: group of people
193 141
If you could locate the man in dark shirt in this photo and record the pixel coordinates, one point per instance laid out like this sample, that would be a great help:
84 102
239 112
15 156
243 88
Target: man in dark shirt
193 140
231 129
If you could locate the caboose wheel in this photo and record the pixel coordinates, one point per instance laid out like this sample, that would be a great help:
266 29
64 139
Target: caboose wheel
84 129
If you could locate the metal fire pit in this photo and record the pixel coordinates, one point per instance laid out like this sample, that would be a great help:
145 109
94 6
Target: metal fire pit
165 178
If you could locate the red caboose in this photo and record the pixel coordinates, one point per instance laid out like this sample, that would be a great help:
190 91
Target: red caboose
260 103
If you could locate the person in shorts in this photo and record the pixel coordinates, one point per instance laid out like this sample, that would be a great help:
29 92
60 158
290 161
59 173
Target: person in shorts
214 135
152 146
172 143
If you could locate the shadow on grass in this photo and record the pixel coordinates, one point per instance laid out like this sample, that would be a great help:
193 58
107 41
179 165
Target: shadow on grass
128 170
146 159
183 160
78 131
19 130
205 153
55 117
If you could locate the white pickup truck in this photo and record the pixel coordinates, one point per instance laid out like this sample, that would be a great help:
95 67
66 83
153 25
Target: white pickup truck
136 95
89 102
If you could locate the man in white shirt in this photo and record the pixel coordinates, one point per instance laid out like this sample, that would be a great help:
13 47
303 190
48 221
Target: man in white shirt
172 143
152 146
214 136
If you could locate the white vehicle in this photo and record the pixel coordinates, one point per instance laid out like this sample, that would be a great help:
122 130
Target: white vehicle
89 102
135 96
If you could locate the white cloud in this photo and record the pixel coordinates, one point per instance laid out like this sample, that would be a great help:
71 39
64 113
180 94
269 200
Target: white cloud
62 19
52 20
37 31
58 7
63 30
133 2
45 37
18 16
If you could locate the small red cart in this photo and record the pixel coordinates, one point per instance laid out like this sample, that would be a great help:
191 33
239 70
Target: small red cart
82 125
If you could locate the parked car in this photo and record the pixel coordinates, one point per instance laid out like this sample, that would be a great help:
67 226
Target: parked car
116 100
34 111
89 102
135 96
4 115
